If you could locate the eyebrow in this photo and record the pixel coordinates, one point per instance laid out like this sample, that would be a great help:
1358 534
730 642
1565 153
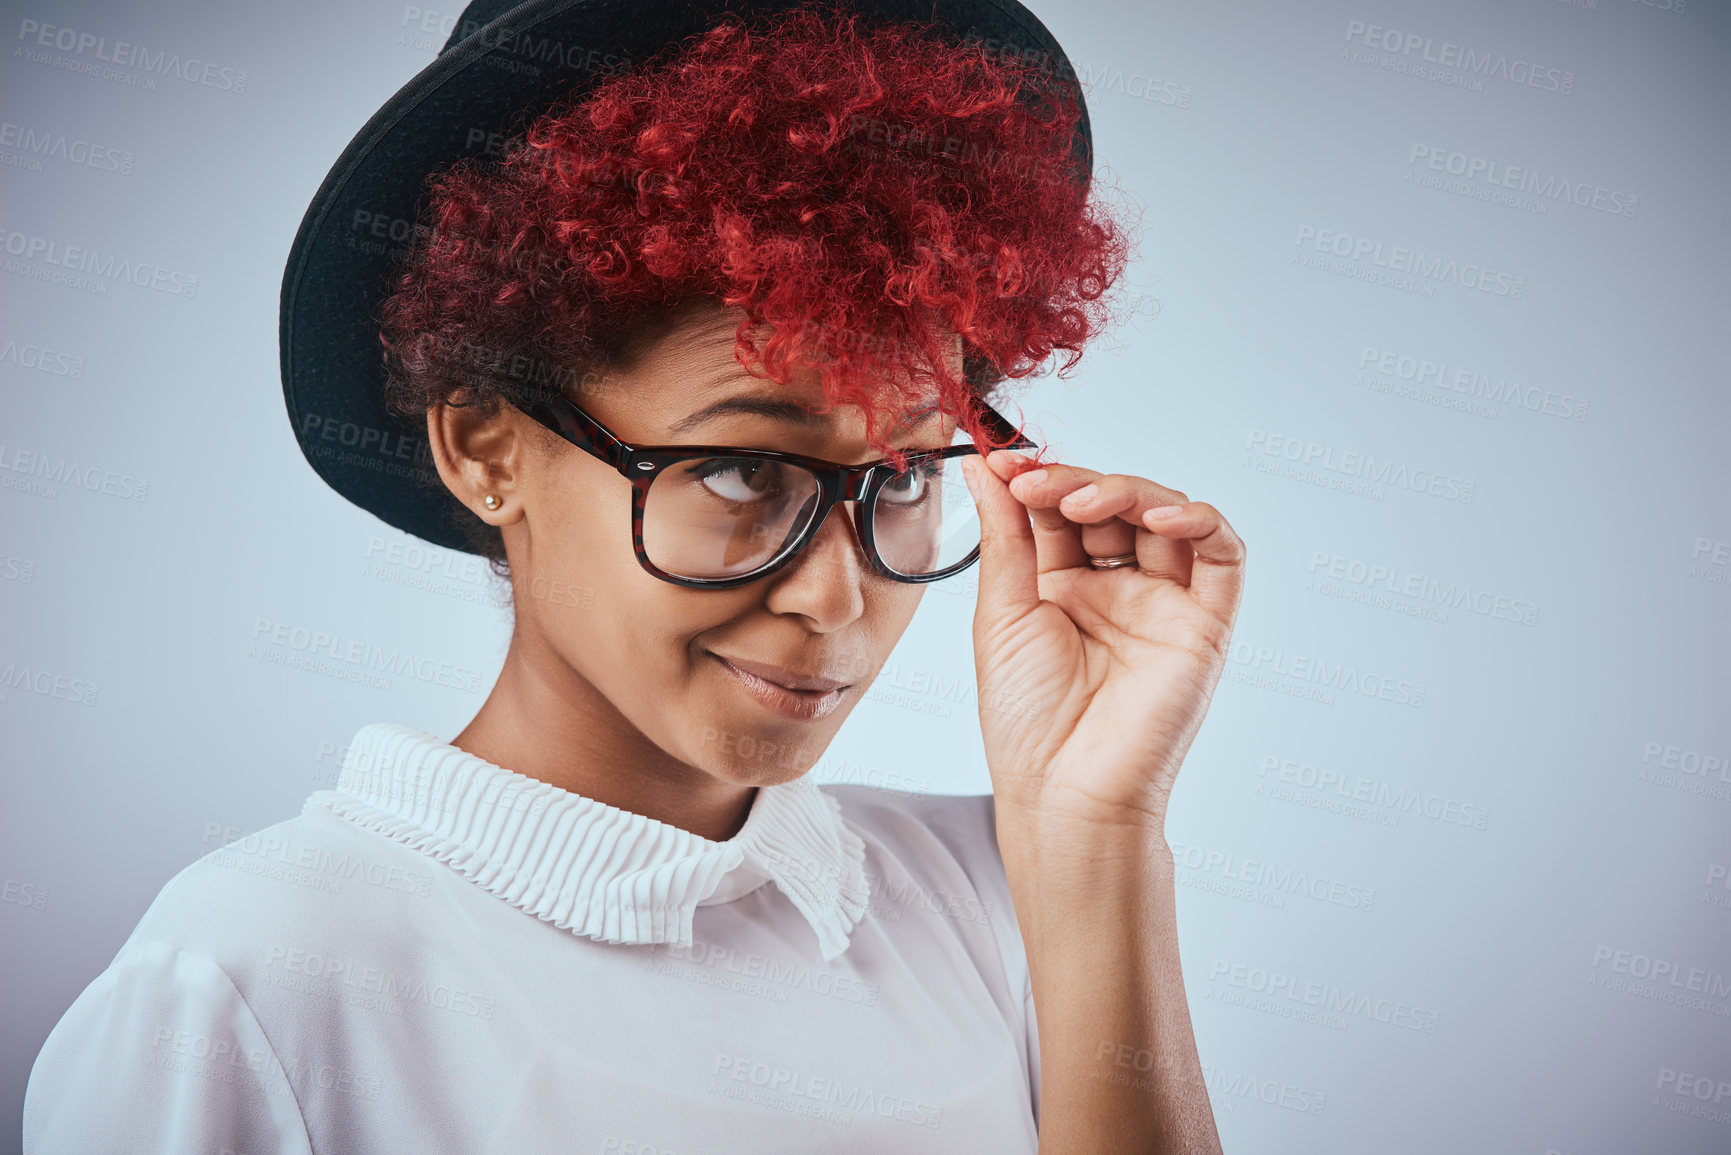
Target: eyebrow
778 410
759 406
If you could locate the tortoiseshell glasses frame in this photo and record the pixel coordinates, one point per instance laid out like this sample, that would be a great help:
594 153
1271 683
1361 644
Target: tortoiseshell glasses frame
837 482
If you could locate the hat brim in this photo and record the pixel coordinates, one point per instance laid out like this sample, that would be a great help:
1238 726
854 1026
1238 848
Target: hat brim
481 89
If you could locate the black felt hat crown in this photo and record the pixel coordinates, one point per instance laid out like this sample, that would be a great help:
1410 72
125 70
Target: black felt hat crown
504 64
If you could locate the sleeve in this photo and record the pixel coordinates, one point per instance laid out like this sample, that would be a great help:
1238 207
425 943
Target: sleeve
160 1053
1033 1046
1008 932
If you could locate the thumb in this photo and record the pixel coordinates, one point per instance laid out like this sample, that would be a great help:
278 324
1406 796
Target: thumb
1009 575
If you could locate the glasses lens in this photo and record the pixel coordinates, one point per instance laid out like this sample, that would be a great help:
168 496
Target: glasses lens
723 517
925 519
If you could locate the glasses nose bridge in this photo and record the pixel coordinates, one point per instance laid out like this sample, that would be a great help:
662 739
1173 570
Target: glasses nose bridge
853 482
850 498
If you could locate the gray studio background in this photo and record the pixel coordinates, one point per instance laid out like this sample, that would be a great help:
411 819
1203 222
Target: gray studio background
1433 305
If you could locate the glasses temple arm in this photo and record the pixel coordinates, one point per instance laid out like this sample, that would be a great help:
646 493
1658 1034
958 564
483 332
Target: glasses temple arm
562 416
1000 426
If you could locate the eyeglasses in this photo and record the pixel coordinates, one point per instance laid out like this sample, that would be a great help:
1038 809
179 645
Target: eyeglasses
716 517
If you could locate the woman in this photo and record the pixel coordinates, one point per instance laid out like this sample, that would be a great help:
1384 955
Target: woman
699 346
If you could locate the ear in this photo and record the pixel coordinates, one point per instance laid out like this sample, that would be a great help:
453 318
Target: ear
478 455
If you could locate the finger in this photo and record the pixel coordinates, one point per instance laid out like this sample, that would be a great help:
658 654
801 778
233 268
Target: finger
1217 577
1006 463
1116 505
1009 580
1057 539
1107 508
1156 556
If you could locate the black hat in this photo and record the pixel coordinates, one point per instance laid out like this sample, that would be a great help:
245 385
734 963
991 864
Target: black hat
504 64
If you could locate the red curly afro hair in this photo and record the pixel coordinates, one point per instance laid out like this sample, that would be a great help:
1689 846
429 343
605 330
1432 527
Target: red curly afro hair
855 189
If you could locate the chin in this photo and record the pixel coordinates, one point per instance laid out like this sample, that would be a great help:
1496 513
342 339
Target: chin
749 754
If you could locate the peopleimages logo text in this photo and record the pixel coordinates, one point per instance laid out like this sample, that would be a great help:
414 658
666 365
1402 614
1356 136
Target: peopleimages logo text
1548 186
36 35
1399 259
361 655
1330 998
43 144
1365 466
1459 57
31 247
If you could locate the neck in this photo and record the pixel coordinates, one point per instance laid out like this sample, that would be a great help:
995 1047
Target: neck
546 721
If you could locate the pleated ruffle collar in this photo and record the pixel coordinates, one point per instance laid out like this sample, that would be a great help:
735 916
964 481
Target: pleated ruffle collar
591 868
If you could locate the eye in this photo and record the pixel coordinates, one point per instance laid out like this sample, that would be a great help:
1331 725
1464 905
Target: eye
910 487
740 479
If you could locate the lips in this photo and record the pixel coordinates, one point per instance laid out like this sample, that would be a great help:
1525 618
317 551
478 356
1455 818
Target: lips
785 678
803 697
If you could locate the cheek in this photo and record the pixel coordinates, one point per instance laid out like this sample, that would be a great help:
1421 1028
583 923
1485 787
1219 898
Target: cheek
622 627
568 573
583 589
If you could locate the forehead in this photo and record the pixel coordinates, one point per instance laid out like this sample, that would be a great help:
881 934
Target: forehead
687 378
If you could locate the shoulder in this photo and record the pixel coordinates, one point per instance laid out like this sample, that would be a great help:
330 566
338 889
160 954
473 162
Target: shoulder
939 853
302 881
944 845
168 1031
160 1052
962 827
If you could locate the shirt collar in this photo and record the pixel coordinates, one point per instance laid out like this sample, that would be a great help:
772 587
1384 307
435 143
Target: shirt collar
591 868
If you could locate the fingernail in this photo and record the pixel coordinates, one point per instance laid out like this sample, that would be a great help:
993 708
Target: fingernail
1032 477
1160 513
1018 458
1084 495
968 476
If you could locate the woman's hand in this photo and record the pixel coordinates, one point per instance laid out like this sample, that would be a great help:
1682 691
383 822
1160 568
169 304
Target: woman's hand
1093 682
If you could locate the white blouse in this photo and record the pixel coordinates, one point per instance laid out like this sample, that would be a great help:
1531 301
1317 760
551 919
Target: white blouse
442 955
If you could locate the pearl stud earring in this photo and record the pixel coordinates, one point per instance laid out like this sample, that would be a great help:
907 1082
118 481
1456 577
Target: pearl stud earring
491 501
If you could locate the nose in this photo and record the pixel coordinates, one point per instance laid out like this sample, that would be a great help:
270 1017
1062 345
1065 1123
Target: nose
823 582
